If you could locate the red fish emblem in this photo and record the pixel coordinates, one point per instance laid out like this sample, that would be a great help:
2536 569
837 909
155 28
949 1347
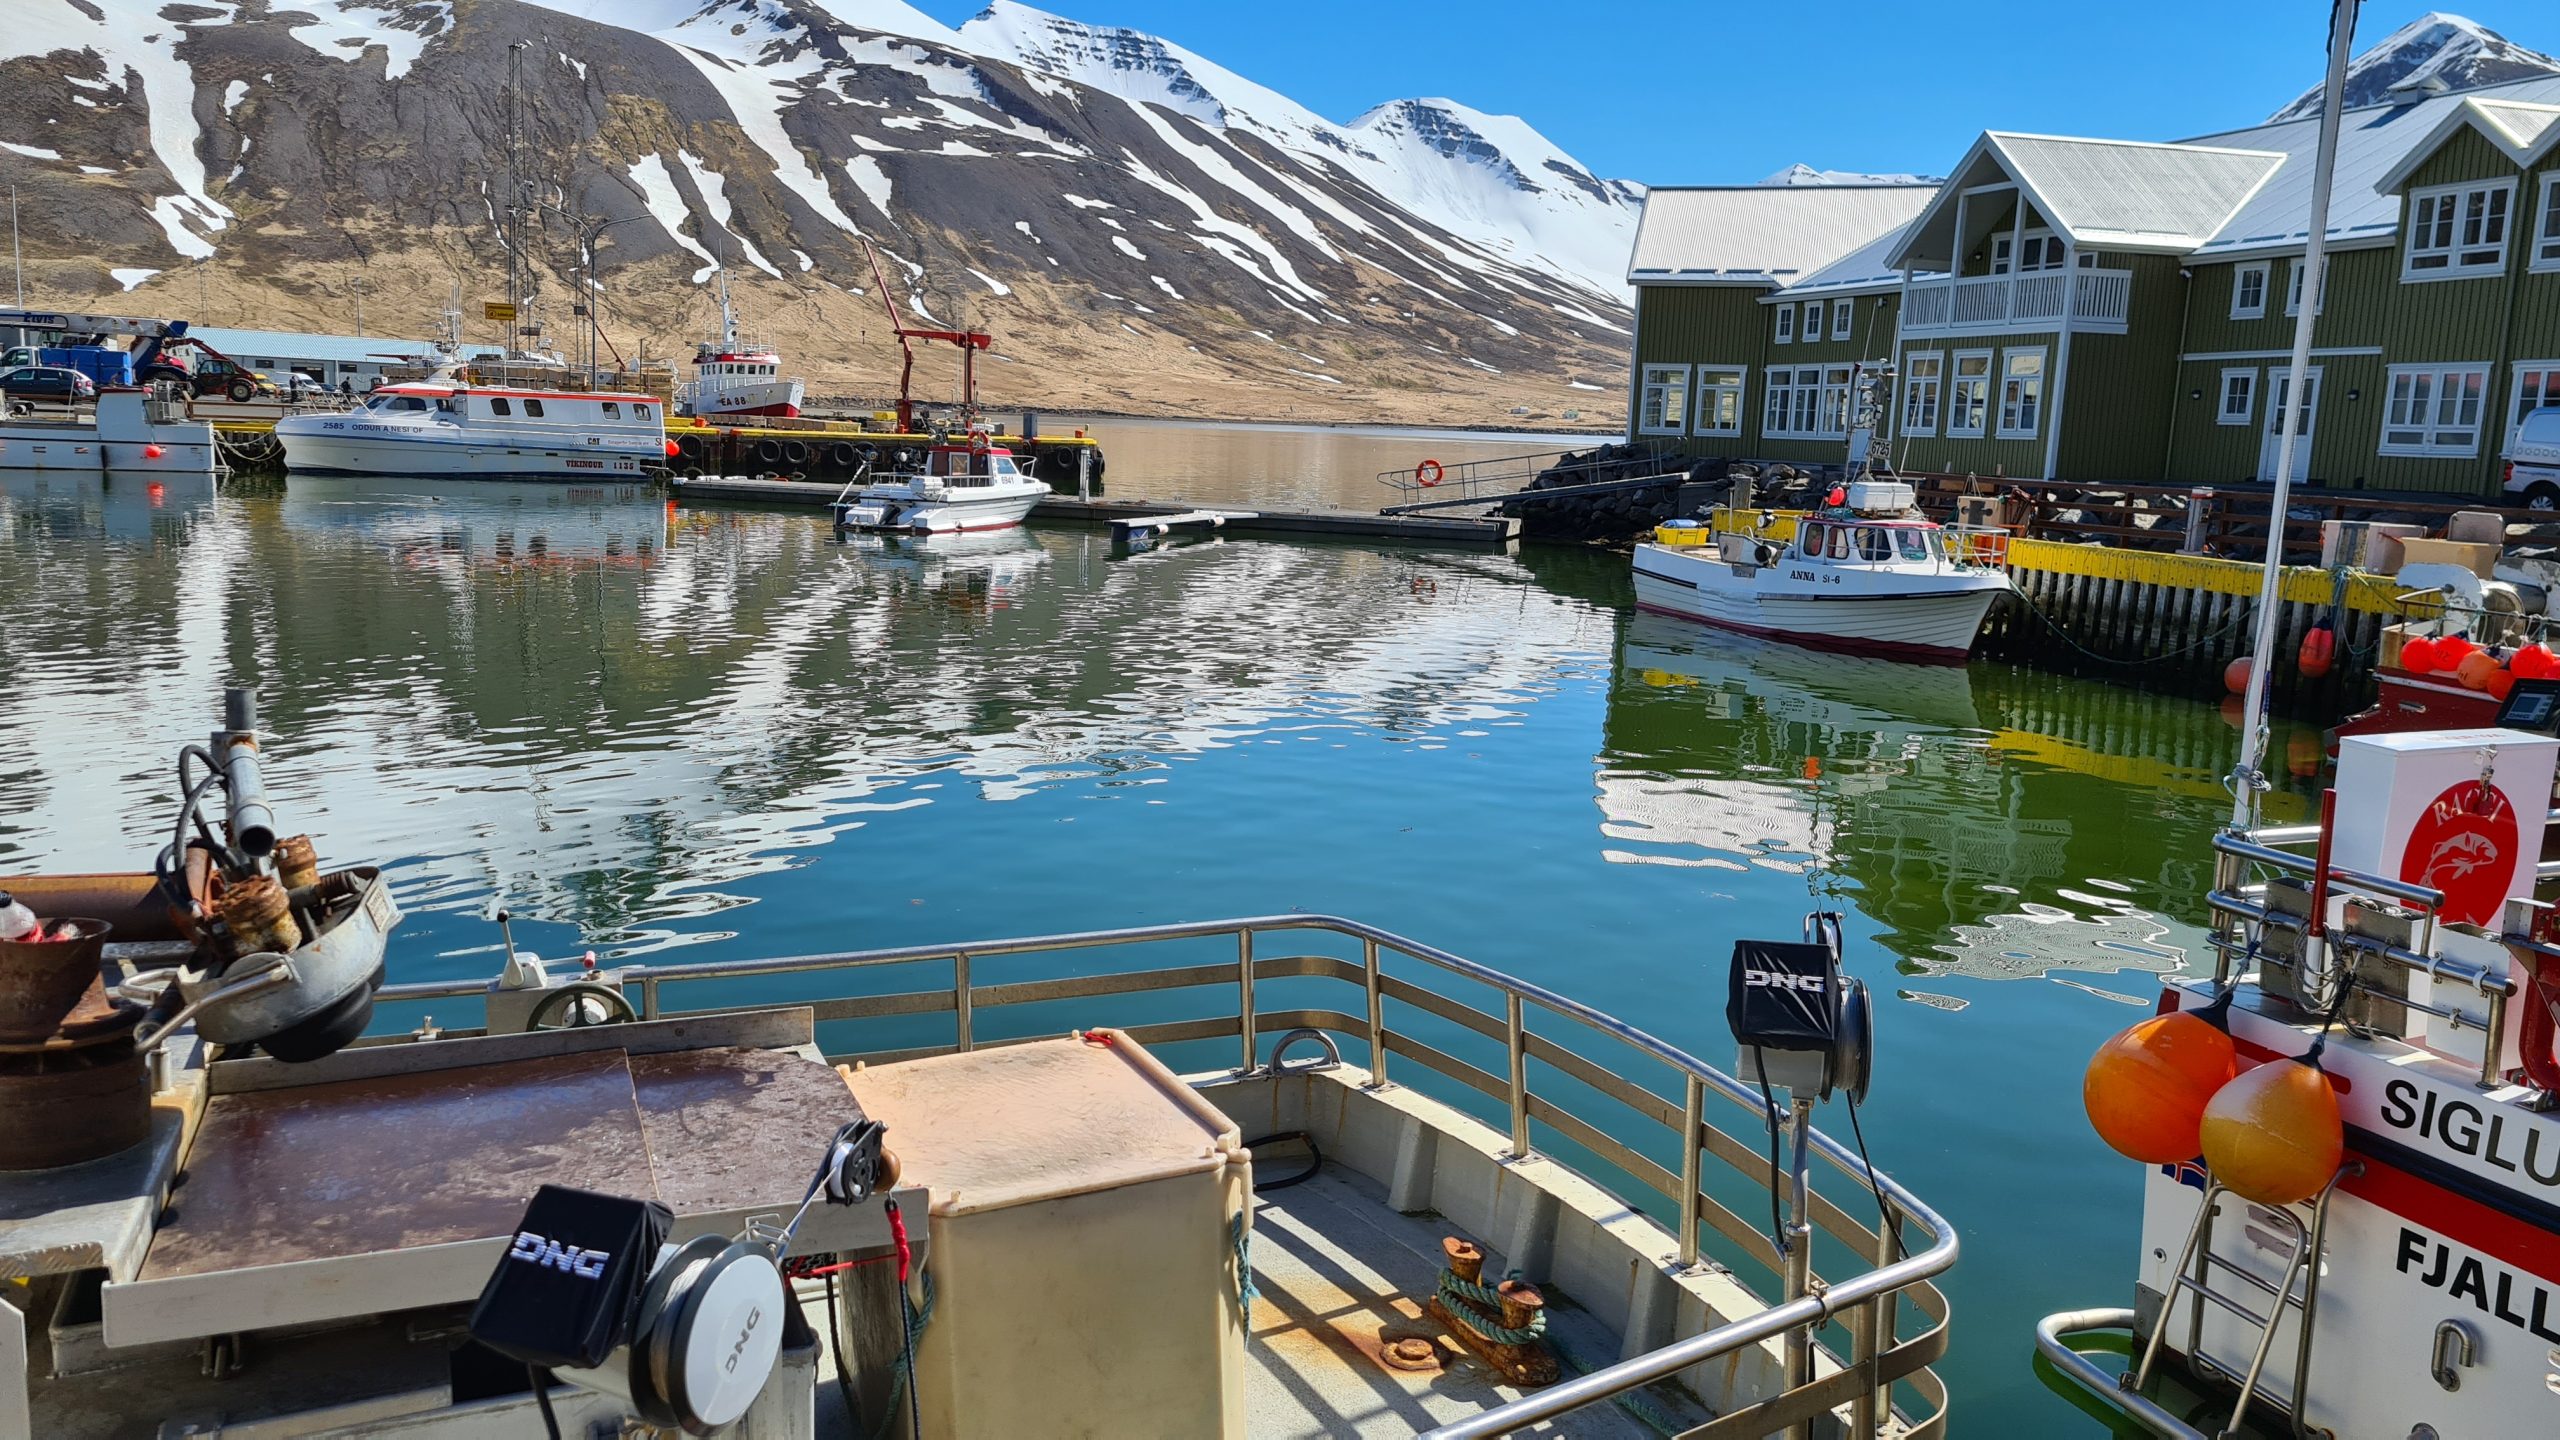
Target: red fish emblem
2465 844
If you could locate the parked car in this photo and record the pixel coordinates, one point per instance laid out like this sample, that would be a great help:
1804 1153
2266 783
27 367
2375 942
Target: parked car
47 382
2533 462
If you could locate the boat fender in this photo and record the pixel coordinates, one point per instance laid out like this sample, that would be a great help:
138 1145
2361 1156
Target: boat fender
845 455
1428 473
795 452
2275 1135
769 451
2147 1087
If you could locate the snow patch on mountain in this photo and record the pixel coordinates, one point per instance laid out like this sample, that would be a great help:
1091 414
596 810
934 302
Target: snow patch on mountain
2430 55
168 92
347 29
1803 174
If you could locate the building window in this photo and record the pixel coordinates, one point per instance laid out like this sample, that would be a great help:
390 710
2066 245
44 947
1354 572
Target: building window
1786 324
501 407
1843 313
1968 398
2239 397
2457 230
533 408
2000 253
1834 420
1664 406
2546 233
1922 375
2434 410
2041 251
2537 388
1807 402
1813 320
2293 294
2249 291
2021 393
1719 400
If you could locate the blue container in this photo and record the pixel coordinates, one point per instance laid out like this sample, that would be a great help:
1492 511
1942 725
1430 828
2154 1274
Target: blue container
104 364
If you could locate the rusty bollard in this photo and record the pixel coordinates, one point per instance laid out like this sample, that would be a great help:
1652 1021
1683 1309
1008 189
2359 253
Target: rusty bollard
297 864
259 917
1525 1363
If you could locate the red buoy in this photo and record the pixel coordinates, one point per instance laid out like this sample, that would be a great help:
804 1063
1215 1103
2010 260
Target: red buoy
2319 651
2418 656
673 450
2235 676
2535 662
1838 496
152 452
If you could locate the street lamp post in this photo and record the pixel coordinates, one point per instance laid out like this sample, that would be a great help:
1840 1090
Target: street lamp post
595 325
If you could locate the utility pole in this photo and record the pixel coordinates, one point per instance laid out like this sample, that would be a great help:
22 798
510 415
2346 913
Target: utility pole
515 195
357 287
17 257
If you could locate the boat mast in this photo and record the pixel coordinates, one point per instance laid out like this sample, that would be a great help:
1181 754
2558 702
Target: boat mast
728 317
2248 778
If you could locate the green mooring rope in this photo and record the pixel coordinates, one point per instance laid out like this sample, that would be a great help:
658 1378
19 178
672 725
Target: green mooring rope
1472 1305
1242 1239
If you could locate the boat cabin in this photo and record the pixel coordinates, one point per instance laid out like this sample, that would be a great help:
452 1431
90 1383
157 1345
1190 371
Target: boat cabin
960 465
518 407
1868 541
725 366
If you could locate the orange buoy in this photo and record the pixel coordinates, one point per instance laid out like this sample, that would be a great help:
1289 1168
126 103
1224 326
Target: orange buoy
2475 669
2147 1088
2274 1134
2303 753
2319 651
2418 656
2535 662
2501 684
2235 676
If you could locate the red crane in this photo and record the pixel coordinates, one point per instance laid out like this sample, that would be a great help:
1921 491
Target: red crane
969 341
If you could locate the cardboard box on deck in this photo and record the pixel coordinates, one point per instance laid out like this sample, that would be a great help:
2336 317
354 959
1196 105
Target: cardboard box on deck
2479 559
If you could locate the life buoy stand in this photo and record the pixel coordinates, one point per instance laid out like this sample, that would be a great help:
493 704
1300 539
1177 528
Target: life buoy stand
1428 473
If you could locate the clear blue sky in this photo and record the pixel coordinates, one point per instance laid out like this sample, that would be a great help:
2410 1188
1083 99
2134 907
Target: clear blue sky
1719 92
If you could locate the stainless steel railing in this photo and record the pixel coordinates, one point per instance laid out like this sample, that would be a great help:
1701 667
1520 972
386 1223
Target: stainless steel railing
1869 1301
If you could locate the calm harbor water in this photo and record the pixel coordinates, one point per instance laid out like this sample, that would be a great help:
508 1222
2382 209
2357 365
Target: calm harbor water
698 735
1287 467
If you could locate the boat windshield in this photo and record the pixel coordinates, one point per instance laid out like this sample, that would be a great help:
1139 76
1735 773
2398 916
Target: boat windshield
1874 543
388 403
1913 541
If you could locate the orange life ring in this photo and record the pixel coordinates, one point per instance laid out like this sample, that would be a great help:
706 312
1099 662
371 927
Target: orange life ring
1428 472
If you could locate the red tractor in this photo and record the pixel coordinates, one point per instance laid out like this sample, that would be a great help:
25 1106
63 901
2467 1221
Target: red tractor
206 373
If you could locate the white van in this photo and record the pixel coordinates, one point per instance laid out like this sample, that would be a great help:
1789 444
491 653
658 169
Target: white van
2533 461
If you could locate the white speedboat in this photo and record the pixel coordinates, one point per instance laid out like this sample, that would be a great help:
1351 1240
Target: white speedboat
968 485
1870 575
446 426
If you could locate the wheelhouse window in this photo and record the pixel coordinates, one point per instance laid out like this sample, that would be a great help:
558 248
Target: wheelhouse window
1843 315
2457 230
2434 410
2249 291
1662 409
2537 388
2021 393
1809 540
1874 544
1719 400
613 409
533 408
502 406
639 412
1912 541
1923 375
2239 398
1969 394
1786 324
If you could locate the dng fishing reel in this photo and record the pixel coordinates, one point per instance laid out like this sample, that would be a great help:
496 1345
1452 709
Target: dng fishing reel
1801 1024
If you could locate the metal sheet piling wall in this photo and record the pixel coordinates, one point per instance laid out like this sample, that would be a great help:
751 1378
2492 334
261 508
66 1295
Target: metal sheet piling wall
2178 620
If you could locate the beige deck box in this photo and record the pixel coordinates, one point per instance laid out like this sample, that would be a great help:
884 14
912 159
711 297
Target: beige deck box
1084 1238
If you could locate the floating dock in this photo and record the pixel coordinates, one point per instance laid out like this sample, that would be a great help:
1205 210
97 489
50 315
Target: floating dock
1473 533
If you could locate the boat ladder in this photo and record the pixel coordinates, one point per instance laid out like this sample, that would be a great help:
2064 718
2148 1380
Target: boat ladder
2297 1288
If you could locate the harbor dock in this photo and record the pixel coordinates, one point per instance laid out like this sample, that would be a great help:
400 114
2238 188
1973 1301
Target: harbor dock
1472 532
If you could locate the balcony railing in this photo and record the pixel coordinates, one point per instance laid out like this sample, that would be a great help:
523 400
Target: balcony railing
2096 299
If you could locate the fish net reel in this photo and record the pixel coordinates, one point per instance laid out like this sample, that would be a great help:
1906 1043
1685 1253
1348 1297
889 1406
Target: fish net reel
1800 1024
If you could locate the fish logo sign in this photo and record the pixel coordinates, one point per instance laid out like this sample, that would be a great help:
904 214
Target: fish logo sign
2465 844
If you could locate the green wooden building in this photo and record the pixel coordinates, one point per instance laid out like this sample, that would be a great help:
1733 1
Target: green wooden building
2107 310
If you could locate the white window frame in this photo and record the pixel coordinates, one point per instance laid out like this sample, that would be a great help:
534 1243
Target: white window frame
2247 414
2547 396
1668 392
2241 307
2293 287
1805 402
2003 428
1844 317
1923 393
1980 405
1734 381
2003 253
2458 213
2426 414
1786 323
2546 227
1812 326
2037 243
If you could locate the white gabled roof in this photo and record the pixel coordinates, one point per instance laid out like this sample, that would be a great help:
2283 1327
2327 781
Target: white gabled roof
1861 269
1762 234
2520 130
2373 142
2098 194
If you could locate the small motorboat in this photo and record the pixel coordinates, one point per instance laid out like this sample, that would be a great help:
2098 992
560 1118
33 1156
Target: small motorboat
1867 573
966 484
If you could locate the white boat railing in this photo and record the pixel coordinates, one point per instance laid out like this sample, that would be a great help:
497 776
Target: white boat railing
1889 1268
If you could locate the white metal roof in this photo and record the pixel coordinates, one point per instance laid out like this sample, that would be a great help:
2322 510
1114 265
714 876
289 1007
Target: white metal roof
1762 234
2099 194
291 345
2372 143
2521 132
1861 269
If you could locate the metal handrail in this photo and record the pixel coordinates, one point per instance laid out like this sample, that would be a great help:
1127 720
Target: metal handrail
1873 1289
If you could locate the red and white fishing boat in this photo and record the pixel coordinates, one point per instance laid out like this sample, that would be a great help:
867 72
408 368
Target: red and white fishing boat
735 380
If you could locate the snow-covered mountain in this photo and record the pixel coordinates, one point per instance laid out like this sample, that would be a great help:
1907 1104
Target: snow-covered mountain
2433 53
1141 227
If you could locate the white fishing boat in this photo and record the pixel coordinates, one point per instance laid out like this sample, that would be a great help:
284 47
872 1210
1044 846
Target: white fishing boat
737 380
2351 1165
1869 574
444 425
964 485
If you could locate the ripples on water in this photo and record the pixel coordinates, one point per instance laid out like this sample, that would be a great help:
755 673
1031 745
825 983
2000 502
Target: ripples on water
730 733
